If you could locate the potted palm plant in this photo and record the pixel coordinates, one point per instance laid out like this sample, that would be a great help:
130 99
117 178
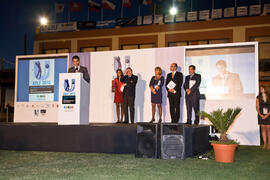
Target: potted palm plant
224 148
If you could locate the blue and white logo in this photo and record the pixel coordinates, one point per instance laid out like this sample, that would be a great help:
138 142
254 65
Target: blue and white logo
42 72
69 86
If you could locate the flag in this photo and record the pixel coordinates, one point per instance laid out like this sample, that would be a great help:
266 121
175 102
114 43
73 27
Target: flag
127 3
74 6
108 5
147 2
58 8
93 6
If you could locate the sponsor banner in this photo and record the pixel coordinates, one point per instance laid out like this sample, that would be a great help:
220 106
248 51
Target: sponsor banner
204 15
158 19
86 25
59 27
169 18
192 16
106 24
126 21
266 9
242 11
147 19
255 10
229 12
180 17
216 13
139 20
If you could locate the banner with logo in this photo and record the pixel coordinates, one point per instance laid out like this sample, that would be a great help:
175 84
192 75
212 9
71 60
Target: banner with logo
180 17
106 24
229 12
41 80
124 22
255 10
216 13
242 11
192 16
85 25
204 15
59 27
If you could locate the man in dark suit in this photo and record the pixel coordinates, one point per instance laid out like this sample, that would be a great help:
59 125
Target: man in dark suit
78 68
191 86
129 82
174 83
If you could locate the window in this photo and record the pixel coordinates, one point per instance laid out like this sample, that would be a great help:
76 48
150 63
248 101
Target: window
55 51
138 46
264 52
93 49
200 42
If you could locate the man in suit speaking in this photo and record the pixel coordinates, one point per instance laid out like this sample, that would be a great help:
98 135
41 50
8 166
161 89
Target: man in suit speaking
174 83
191 86
78 68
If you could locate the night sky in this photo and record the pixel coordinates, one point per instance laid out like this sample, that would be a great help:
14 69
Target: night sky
20 17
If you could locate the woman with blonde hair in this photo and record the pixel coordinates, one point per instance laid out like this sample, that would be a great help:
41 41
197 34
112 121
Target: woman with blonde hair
263 109
156 85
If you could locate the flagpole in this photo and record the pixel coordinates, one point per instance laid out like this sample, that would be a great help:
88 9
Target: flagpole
139 10
122 10
101 13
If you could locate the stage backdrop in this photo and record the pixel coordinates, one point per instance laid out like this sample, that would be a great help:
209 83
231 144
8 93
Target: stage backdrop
143 62
229 79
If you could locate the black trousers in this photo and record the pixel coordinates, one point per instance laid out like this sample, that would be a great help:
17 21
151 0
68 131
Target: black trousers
128 102
193 101
174 108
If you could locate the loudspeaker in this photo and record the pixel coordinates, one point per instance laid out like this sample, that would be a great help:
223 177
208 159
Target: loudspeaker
148 140
172 141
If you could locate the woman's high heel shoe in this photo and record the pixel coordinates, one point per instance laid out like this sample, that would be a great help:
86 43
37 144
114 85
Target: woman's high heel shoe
153 120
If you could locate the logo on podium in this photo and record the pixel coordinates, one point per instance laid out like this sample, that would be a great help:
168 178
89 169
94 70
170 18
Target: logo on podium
69 86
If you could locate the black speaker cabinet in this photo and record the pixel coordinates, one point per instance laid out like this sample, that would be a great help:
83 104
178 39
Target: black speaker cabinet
148 140
172 141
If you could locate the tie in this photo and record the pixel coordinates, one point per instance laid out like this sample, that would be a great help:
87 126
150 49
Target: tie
76 69
172 75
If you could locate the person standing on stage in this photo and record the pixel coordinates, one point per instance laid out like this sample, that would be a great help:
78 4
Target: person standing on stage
129 83
191 86
118 96
156 85
174 83
77 68
263 109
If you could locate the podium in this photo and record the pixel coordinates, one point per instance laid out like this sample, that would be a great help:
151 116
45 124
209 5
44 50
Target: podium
73 99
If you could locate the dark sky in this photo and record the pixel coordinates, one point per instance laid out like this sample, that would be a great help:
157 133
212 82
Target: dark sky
17 18
20 17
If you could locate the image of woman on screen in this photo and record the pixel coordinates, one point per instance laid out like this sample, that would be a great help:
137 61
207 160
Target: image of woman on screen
118 96
228 83
156 85
263 107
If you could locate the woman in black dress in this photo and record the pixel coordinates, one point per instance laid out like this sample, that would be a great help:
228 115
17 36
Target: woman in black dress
263 109
156 85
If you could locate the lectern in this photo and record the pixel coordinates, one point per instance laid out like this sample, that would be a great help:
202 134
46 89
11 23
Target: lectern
73 99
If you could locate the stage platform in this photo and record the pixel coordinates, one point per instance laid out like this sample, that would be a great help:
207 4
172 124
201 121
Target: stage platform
93 138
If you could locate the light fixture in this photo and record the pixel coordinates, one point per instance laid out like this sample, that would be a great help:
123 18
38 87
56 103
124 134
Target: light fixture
43 21
173 11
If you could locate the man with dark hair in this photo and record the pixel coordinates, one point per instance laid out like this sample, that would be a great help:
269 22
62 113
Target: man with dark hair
78 68
174 83
230 82
191 86
129 82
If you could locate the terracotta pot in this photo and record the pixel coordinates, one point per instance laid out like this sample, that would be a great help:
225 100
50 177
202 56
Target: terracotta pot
224 152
